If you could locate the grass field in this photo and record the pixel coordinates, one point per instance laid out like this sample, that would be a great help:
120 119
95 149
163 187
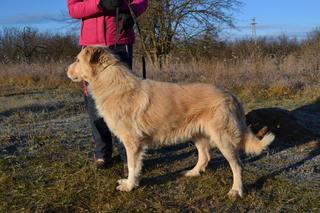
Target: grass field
46 156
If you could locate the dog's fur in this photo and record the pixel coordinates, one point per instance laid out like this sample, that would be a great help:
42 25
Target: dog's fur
144 113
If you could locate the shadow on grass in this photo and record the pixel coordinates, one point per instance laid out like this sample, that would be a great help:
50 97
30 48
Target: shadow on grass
162 179
168 158
258 185
296 128
77 107
34 108
290 127
15 143
168 149
24 93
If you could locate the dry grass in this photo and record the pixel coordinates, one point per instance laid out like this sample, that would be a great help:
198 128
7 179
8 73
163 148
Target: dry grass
18 78
292 73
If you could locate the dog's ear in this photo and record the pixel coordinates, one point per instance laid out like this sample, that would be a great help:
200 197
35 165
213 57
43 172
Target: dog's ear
95 55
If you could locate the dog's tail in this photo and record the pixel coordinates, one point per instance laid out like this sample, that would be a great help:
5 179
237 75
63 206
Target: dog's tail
252 145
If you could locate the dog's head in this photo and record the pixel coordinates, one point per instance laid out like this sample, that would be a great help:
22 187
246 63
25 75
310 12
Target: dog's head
90 62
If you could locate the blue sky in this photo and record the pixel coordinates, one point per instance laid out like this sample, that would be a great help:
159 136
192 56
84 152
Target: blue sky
274 17
292 17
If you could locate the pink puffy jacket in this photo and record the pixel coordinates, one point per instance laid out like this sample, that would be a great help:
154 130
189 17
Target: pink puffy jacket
93 24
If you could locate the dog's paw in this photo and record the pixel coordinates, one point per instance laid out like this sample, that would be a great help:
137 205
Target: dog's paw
234 194
203 169
191 173
121 181
124 185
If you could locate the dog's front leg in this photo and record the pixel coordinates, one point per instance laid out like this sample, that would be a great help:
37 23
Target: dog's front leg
134 156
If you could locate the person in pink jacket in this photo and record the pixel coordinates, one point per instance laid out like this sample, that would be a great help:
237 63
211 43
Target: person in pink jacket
106 23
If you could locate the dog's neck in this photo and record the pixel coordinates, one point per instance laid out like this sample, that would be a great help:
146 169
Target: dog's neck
112 81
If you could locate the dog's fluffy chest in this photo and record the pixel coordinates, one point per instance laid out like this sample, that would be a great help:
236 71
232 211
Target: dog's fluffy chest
120 112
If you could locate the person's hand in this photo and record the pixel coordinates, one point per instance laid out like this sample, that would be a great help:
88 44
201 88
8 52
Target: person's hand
109 4
127 22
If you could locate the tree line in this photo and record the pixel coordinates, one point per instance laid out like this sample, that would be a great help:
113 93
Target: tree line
28 45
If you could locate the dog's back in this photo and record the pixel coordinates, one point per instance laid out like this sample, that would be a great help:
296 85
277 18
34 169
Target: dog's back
177 112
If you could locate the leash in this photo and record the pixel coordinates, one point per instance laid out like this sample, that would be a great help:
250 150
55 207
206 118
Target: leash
134 17
104 30
144 71
117 27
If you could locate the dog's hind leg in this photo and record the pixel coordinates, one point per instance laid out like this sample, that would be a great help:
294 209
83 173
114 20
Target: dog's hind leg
223 141
134 156
203 148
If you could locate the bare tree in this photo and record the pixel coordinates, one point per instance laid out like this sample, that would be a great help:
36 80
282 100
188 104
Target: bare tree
167 20
28 45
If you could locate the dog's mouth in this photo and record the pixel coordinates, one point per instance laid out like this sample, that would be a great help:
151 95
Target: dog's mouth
75 79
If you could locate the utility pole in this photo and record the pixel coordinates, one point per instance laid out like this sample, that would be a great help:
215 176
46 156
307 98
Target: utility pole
254 30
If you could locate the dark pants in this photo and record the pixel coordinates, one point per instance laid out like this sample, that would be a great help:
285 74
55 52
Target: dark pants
102 136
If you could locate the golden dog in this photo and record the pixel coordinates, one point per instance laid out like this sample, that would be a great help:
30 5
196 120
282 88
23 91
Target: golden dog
145 113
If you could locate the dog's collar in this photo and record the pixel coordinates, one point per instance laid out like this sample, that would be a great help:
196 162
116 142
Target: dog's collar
110 65
105 68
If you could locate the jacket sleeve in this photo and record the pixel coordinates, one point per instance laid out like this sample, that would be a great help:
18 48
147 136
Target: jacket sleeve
139 6
83 9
